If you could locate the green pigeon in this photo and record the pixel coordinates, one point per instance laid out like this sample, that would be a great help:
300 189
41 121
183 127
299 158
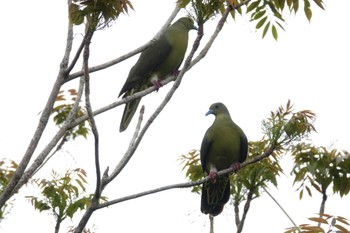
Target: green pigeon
224 145
156 63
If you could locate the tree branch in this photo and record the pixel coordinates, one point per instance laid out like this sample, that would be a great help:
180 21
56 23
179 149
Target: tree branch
267 153
18 174
97 194
76 57
245 210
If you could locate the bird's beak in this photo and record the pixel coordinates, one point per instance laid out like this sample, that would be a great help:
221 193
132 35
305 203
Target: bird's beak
195 27
209 112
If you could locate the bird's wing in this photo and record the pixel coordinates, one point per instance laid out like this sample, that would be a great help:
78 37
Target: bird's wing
244 148
205 147
148 62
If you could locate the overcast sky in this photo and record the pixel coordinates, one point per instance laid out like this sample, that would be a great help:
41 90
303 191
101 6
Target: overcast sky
309 65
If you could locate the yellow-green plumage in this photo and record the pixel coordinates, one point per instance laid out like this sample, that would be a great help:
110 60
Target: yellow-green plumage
155 63
223 145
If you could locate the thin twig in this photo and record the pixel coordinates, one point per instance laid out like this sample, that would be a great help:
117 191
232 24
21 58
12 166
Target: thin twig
76 57
88 37
295 225
127 156
94 201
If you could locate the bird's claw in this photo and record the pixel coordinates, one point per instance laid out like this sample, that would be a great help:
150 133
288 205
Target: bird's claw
213 175
157 85
236 167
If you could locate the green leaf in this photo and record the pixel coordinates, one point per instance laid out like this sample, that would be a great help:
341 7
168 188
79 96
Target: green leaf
252 6
341 228
274 32
319 220
301 194
261 22
259 15
266 28
295 5
307 10
308 191
319 4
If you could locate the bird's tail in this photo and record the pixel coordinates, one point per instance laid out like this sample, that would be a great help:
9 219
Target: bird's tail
215 195
129 112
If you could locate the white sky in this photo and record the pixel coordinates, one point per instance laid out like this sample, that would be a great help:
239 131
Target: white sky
309 65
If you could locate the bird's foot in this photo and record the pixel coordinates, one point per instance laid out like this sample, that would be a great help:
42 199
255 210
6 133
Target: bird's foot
157 85
236 167
213 175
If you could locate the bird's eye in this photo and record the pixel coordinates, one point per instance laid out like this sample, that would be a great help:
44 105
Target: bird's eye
216 106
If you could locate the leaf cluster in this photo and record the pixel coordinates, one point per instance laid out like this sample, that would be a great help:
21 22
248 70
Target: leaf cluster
266 14
318 168
62 195
203 10
97 13
61 112
7 168
193 168
334 224
285 126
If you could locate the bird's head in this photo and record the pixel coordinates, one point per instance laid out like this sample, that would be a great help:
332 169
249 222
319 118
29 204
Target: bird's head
188 23
216 109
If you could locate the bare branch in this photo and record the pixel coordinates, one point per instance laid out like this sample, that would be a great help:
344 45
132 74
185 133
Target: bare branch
267 153
285 212
88 37
13 185
76 57
97 193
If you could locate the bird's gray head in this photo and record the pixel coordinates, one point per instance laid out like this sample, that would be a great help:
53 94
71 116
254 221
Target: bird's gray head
187 22
217 108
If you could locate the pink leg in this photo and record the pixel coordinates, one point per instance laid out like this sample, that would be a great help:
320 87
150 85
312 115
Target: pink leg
212 175
157 84
236 166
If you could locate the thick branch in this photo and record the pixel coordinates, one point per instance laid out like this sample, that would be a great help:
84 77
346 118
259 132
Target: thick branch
11 187
59 135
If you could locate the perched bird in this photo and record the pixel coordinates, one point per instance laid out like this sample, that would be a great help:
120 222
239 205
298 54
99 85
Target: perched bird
224 145
155 63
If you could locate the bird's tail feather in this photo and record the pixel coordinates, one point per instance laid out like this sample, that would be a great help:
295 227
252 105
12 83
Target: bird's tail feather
129 112
215 195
